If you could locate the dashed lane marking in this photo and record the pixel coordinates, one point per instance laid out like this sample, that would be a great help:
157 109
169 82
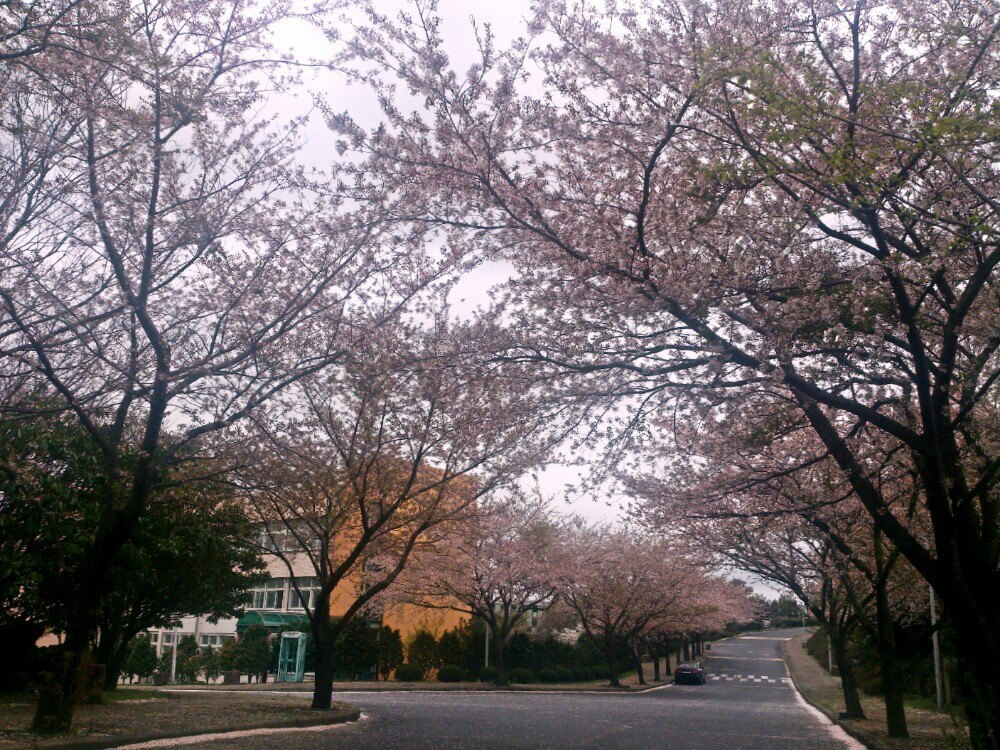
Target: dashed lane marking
749 678
760 638
742 658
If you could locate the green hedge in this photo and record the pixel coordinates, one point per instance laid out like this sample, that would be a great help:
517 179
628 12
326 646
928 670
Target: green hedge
522 675
409 673
451 673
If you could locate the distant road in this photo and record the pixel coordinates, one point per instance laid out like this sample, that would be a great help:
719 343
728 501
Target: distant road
747 704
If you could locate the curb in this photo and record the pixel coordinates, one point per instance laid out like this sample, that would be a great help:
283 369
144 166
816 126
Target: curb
465 691
330 718
834 718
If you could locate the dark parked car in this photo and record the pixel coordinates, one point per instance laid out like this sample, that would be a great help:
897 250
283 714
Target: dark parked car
690 672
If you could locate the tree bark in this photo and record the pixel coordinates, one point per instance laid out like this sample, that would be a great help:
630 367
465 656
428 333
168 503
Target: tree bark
848 683
612 665
892 679
655 654
113 665
637 661
978 667
61 689
322 699
58 697
498 657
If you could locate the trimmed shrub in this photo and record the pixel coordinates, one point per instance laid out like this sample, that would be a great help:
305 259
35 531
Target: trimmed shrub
422 652
599 672
565 674
580 674
409 673
451 673
548 675
488 674
522 675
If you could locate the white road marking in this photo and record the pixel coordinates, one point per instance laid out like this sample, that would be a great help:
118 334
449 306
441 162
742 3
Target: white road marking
760 638
750 679
713 657
835 730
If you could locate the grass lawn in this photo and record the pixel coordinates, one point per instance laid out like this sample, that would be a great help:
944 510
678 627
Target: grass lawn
930 729
137 712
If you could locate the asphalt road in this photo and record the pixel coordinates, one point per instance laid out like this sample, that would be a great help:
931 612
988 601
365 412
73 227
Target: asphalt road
747 704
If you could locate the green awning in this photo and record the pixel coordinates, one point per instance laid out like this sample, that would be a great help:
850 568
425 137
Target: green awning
272 620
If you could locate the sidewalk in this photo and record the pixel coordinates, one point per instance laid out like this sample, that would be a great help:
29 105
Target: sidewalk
819 687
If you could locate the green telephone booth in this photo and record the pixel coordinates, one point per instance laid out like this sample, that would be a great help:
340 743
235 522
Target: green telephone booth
292 656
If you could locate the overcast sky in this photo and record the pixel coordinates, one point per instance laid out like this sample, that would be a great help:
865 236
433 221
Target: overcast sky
506 19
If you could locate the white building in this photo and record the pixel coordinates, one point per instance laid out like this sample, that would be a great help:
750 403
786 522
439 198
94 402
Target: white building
274 603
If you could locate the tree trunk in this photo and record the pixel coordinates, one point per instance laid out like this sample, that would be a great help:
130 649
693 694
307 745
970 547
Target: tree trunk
61 689
612 665
892 685
322 698
113 666
655 655
499 642
59 694
112 650
978 646
687 649
637 661
848 684
892 679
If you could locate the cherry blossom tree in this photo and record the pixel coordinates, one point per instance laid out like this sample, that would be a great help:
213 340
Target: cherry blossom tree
382 462
769 502
27 28
784 551
498 566
178 265
38 126
621 584
705 202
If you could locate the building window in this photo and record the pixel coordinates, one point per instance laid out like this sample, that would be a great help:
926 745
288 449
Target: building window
271 539
287 538
210 640
310 590
270 595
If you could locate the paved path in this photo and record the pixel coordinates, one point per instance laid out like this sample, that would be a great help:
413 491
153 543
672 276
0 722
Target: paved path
747 704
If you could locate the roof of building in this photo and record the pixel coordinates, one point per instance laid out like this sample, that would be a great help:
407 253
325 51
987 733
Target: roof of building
271 619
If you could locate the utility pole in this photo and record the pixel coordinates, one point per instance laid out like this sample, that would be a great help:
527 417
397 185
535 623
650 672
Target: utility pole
937 650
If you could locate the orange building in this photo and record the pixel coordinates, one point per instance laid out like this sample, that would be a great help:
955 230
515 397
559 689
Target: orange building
277 604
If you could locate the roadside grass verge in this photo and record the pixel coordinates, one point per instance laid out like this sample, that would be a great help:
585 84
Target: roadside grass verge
929 729
135 715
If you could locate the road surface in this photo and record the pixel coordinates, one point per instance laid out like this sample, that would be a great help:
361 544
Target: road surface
747 704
